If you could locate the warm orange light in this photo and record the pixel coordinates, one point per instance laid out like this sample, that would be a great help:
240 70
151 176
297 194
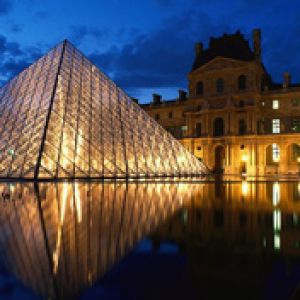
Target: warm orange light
245 188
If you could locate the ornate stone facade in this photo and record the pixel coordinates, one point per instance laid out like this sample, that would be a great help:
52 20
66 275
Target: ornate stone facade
235 118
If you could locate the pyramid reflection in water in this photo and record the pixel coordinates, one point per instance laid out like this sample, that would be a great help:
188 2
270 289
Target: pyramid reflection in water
63 118
62 237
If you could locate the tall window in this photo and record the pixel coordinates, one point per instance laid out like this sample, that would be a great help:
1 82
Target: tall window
275 104
198 130
170 115
199 88
275 125
242 82
295 153
275 152
157 117
242 127
220 85
218 127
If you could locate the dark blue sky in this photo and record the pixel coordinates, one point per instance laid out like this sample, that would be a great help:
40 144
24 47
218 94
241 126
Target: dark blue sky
146 46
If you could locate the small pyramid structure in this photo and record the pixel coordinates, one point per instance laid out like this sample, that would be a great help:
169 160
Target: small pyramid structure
63 118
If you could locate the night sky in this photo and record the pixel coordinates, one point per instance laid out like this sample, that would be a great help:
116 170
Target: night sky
146 46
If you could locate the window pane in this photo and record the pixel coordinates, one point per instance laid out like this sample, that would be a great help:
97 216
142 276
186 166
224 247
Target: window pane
276 126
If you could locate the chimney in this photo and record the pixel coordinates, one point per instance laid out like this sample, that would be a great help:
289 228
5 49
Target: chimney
156 98
182 95
198 49
286 79
257 43
135 100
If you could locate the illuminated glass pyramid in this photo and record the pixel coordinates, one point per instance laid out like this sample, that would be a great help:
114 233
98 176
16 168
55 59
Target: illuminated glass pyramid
63 118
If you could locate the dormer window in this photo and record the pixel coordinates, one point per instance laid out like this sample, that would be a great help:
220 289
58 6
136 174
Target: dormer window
199 88
242 82
220 85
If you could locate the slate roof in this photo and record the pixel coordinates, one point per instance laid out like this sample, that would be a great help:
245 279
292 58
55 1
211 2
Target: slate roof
233 46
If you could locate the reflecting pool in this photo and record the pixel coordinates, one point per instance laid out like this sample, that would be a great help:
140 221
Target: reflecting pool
155 240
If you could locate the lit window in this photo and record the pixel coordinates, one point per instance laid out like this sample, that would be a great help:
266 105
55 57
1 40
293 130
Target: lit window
275 104
275 152
263 103
275 125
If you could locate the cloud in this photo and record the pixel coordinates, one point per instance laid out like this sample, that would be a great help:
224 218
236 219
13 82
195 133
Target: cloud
5 6
14 58
9 48
79 33
161 58
16 28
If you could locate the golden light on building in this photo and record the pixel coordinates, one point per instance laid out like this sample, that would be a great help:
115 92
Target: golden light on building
221 124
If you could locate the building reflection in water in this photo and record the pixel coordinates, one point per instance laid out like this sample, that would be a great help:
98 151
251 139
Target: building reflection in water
60 238
235 235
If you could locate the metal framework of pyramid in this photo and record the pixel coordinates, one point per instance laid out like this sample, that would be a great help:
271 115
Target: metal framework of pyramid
63 118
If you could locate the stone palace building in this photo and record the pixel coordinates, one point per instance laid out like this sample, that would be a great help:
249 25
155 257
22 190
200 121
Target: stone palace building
235 118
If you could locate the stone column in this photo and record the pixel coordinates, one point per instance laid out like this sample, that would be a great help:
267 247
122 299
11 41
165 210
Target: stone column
283 159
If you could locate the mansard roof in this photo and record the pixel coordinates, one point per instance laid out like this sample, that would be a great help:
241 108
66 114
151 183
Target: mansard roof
233 46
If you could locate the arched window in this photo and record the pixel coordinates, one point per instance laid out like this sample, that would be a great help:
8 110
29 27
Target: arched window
218 127
199 88
242 82
272 154
295 153
242 127
220 85
198 130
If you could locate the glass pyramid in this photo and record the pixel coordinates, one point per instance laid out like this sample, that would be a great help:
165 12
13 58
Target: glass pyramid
63 118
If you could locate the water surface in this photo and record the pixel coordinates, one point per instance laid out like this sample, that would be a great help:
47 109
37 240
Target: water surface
150 240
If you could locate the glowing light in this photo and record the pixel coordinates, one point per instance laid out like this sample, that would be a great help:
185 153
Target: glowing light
277 241
244 157
275 193
60 225
277 220
245 188
298 159
275 152
78 203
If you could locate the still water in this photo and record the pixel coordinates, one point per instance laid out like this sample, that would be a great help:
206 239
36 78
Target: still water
150 240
